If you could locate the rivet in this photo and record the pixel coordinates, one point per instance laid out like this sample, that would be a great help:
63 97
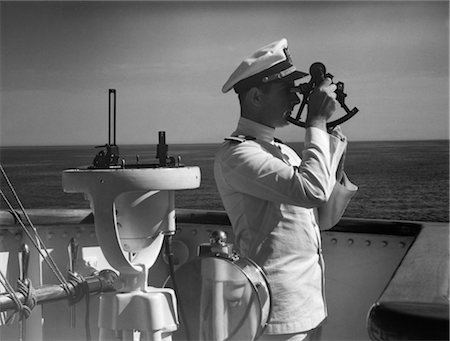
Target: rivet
92 234
384 243
49 235
102 181
64 234
18 236
194 232
350 241
402 244
333 241
368 242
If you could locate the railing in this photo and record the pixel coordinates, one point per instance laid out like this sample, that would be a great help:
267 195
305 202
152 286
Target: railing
375 258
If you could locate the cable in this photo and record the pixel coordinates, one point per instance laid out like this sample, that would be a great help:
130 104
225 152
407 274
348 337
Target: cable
9 289
168 250
38 243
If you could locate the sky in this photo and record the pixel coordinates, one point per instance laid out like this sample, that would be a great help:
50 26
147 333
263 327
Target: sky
169 60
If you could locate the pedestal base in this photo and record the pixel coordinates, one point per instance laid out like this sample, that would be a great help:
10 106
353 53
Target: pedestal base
152 312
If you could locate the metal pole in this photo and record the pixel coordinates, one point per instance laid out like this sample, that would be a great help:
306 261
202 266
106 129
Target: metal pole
104 282
109 116
114 101
112 117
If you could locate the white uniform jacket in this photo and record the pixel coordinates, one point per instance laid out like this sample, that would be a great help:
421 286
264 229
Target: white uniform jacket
276 202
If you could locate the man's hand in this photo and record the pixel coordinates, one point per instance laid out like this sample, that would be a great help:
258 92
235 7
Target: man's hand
321 105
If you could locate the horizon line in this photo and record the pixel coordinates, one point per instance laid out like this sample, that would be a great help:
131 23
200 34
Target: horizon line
197 143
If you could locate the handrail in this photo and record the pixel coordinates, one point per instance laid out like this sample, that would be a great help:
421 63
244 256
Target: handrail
353 225
220 217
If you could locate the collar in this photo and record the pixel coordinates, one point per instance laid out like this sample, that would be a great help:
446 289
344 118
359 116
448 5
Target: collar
259 131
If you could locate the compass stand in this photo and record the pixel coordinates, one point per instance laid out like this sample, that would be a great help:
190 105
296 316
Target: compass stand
133 209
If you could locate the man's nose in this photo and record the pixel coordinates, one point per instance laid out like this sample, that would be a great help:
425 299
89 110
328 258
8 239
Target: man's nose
295 98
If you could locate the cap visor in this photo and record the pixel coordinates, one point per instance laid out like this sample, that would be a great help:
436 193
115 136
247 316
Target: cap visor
293 76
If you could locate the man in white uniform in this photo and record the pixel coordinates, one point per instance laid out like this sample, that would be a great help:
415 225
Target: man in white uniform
277 202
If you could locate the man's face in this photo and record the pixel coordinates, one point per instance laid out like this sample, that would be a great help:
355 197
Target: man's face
278 103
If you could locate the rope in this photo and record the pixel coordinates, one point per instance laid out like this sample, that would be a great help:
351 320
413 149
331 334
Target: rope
80 285
26 289
39 245
4 281
19 306
37 241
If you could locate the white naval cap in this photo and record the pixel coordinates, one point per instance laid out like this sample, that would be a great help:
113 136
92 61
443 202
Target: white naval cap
270 63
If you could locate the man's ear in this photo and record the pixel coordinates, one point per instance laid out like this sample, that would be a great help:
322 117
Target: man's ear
255 96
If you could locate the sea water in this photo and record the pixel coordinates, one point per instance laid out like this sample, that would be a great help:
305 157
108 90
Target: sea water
400 180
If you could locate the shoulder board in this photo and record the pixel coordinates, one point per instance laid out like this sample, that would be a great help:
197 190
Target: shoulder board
239 138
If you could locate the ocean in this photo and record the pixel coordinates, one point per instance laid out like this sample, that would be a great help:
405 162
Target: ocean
400 180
